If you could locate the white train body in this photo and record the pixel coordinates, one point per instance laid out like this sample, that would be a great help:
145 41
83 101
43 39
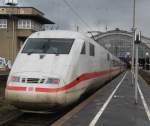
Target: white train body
55 68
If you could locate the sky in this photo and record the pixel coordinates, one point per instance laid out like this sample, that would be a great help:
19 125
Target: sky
94 14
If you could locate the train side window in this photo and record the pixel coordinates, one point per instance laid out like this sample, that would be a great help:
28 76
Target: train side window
83 51
92 50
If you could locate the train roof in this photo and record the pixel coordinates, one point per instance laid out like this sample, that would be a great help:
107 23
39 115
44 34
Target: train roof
59 34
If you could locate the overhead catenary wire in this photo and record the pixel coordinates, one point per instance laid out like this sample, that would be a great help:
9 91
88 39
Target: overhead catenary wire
76 13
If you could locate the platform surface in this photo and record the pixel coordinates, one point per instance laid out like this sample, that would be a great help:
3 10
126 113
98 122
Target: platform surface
120 110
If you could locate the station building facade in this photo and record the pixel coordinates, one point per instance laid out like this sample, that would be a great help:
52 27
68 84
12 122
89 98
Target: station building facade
119 43
16 24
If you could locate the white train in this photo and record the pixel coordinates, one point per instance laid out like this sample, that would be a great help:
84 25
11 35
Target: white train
55 68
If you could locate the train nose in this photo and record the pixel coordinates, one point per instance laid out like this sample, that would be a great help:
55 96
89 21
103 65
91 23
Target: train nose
34 101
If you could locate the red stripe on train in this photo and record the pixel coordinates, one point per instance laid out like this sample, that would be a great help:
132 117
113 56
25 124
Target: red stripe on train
81 78
16 88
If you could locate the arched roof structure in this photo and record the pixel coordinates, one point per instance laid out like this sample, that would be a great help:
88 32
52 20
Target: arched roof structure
119 42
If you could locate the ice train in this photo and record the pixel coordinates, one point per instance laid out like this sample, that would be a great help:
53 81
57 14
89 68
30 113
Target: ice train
55 68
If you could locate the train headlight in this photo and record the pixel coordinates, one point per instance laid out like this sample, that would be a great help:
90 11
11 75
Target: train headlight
52 81
14 79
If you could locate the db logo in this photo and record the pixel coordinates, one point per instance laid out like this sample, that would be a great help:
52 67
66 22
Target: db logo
30 89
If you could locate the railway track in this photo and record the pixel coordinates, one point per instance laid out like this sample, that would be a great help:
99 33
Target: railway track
32 119
7 114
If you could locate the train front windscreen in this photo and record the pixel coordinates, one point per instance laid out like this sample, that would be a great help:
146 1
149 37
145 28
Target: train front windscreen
48 46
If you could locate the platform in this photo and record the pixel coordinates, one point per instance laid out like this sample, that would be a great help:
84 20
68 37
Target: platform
146 71
114 105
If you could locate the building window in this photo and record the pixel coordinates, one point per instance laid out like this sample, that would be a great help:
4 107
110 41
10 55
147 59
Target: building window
37 26
3 23
92 50
24 24
29 24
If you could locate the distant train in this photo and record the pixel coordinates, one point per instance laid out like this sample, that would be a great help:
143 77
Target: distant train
55 68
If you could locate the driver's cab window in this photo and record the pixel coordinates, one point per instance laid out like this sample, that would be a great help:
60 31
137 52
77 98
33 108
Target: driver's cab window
83 51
